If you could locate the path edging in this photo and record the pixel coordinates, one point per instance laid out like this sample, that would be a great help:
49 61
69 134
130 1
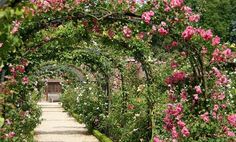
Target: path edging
100 136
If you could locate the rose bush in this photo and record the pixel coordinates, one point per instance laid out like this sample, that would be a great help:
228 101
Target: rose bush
185 83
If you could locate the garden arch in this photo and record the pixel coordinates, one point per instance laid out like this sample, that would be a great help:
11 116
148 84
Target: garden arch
171 24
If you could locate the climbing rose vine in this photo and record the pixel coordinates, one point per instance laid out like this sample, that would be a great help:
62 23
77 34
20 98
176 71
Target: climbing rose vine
196 86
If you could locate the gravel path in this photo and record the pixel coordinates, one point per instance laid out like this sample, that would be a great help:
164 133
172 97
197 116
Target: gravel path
57 126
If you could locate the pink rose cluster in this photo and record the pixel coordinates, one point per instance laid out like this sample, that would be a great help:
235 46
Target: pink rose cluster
207 35
175 78
194 18
25 80
146 16
188 33
232 120
10 135
172 120
221 78
157 139
227 131
176 3
46 5
205 117
221 56
127 32
16 26
80 1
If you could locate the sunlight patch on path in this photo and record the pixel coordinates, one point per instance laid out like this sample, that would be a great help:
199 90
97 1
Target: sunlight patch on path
57 126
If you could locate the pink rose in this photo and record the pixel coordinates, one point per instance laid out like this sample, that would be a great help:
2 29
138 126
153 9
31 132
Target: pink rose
195 97
215 41
216 107
198 89
181 124
188 33
206 35
232 119
174 133
146 16
176 3
227 52
205 117
25 80
230 133
162 31
187 9
183 95
194 18
157 139
127 32
185 132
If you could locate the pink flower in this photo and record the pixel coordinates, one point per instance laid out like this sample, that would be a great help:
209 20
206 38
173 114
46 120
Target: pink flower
217 56
183 95
175 78
223 80
227 52
168 122
214 115
230 133
167 8
10 135
224 106
232 119
204 50
111 33
185 132
205 117
25 80
216 72
216 107
178 110
176 3
206 35
8 122
174 44
173 64
163 24
195 97
141 35
20 68
174 133
162 31
188 33
154 28
157 139
187 9
146 16
181 124
120 1
1 44
215 41
127 32
198 89
179 76
16 25
194 18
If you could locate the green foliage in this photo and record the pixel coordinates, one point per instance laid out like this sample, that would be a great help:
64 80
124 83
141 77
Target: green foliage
216 14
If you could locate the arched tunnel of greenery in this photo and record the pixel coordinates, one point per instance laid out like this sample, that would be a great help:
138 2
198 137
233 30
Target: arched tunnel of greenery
142 75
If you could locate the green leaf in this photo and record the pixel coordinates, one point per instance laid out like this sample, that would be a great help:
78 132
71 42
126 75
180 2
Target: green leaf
1 121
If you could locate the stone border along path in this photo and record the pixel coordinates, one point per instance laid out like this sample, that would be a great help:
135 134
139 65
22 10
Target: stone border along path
58 126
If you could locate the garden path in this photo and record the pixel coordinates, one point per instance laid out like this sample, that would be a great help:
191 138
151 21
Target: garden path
58 126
